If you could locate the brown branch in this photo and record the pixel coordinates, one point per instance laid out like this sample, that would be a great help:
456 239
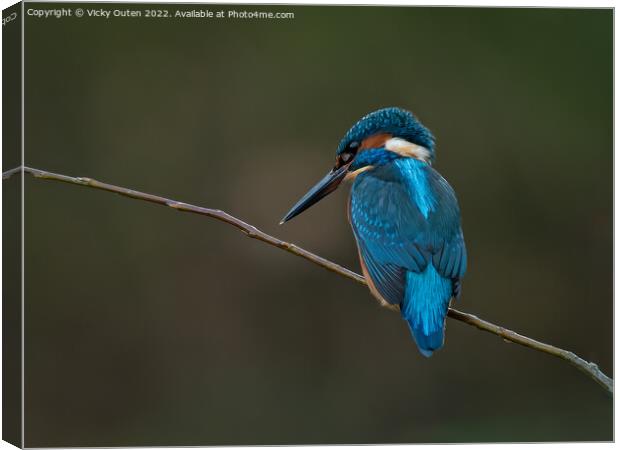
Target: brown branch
251 231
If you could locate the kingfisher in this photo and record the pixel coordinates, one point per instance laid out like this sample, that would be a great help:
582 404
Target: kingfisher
405 219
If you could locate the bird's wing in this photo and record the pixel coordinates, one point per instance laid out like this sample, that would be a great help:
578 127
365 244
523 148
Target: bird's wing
394 237
450 260
386 225
449 251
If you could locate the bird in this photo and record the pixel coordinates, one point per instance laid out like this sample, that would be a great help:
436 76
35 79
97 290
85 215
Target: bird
405 219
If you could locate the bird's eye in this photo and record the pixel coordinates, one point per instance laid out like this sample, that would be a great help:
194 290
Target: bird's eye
345 157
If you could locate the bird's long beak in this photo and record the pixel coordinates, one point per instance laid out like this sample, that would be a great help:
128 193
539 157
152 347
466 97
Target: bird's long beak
323 188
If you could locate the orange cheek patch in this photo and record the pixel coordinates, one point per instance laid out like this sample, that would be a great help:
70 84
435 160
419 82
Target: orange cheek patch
375 141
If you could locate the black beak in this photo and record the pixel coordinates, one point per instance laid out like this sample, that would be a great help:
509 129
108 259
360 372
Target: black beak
323 188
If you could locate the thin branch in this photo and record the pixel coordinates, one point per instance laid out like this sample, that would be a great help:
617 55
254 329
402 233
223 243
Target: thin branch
590 369
9 173
251 231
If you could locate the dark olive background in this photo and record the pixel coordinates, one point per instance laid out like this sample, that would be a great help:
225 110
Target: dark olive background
146 326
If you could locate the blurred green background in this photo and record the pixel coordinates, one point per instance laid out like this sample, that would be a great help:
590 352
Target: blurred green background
149 327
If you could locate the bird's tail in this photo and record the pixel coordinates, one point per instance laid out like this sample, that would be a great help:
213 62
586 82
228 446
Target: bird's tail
427 296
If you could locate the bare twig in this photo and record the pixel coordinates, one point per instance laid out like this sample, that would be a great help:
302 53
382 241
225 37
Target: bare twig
9 173
251 231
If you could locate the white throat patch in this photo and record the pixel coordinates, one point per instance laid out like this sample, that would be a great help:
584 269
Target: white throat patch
408 149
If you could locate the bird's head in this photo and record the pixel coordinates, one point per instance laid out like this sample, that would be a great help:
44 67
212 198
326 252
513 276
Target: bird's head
376 139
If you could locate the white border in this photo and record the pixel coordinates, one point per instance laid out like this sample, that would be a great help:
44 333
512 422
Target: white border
479 3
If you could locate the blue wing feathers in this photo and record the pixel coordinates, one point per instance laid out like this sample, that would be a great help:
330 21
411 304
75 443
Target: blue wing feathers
388 278
411 243
450 265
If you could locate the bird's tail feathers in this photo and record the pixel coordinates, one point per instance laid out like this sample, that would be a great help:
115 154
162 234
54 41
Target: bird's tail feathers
427 296
427 344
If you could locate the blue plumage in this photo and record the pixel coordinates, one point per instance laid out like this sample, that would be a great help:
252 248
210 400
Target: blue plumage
406 221
424 307
405 218
395 121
